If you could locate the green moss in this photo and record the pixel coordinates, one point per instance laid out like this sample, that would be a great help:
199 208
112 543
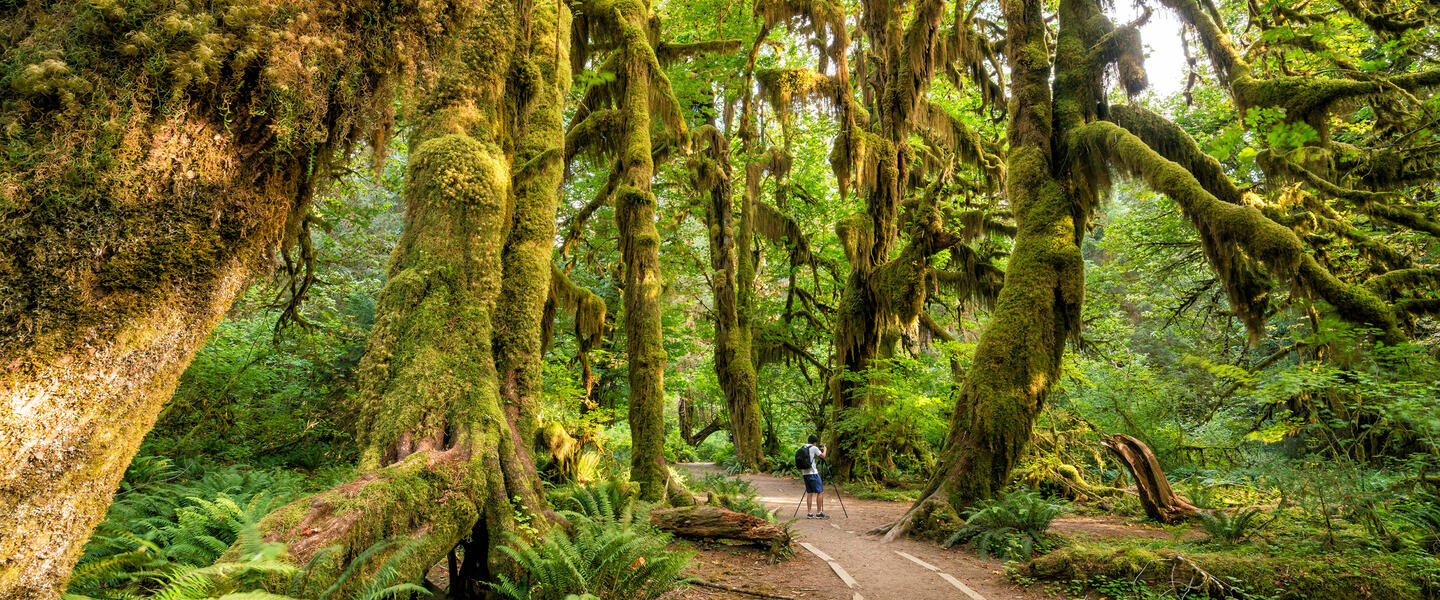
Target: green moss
1279 577
1243 226
153 262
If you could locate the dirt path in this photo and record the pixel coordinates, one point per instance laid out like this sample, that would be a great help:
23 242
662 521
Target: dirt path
835 560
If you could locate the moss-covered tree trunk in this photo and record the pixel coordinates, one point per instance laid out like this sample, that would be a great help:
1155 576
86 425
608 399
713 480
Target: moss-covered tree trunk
135 206
729 257
640 250
536 172
882 289
446 432
1038 308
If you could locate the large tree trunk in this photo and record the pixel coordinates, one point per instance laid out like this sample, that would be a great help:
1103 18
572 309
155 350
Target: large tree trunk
883 292
536 172
729 257
640 249
445 435
135 208
1018 357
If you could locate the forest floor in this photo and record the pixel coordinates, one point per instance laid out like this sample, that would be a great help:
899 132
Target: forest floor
906 569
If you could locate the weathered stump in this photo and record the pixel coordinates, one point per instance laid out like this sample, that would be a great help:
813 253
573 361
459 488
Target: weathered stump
715 523
1156 495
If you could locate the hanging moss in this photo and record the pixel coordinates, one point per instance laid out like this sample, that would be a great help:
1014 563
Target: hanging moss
1268 242
783 88
805 16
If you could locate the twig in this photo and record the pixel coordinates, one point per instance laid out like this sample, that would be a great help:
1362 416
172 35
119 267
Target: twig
740 591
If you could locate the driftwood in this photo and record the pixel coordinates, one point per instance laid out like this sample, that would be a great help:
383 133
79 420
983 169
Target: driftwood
1156 495
715 523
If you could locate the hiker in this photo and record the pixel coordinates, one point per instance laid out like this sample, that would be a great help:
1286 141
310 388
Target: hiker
805 461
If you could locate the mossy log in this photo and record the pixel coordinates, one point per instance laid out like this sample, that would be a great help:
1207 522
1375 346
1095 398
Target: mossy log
1159 499
1279 577
716 523
148 177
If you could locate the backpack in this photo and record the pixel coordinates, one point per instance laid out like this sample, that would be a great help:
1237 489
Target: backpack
802 458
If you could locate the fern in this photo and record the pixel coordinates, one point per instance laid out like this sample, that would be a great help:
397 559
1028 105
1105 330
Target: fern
1423 516
383 583
604 559
1227 526
1012 526
607 501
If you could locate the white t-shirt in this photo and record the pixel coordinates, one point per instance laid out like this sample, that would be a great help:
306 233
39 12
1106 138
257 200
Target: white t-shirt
814 458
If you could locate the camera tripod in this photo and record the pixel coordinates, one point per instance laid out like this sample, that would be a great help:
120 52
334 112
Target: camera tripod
824 466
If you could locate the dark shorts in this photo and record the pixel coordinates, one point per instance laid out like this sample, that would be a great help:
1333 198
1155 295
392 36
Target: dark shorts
813 485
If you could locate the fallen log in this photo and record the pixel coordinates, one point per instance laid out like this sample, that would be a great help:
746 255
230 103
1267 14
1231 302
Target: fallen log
715 523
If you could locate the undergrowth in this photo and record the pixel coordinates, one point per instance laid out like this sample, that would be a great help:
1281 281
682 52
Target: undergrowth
1011 526
608 555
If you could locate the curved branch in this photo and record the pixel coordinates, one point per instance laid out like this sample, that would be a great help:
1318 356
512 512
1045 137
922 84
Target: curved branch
1271 243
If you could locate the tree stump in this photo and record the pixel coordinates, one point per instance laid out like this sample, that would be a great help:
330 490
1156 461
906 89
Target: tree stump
715 523
1156 495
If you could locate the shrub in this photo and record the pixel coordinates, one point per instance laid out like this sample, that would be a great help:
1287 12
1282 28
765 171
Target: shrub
1011 526
720 483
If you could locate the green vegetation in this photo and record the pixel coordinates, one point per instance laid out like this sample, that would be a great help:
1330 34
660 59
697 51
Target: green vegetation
604 559
354 300
1011 526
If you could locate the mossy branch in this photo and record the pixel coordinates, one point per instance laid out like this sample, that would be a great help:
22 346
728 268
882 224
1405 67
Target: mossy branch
598 134
1392 281
669 53
1271 243
1377 204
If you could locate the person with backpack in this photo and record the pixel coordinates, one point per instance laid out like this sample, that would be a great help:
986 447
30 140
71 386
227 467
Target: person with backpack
805 461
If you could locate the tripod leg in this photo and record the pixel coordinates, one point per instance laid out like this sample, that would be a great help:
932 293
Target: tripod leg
797 504
842 502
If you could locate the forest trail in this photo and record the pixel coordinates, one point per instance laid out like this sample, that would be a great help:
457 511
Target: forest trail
905 569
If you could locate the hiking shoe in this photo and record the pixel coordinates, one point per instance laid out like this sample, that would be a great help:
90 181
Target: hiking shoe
810 515
821 516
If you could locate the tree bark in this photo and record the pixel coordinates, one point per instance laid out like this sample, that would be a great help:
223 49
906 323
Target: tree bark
127 236
1156 495
445 434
